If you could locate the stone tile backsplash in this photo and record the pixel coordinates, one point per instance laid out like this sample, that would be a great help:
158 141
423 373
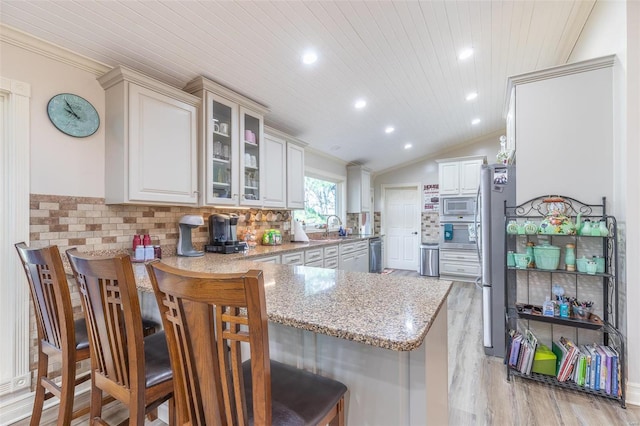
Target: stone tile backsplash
92 225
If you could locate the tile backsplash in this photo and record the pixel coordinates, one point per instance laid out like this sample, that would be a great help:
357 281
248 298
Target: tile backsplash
92 225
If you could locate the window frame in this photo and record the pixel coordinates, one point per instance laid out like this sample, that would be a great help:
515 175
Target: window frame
341 197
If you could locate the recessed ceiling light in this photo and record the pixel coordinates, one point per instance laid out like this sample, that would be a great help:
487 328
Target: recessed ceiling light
465 53
309 57
389 129
475 121
407 146
361 103
471 96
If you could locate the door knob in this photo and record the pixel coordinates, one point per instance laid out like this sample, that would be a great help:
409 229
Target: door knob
415 233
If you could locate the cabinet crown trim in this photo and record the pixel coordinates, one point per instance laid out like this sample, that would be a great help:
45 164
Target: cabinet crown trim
198 84
456 159
121 73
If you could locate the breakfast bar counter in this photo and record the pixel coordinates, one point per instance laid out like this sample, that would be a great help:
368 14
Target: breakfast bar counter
383 336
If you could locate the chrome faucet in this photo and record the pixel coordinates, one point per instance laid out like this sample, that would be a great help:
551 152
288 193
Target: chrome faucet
326 229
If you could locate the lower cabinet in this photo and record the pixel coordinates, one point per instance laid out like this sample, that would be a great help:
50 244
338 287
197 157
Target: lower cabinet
296 258
461 265
267 259
354 256
331 257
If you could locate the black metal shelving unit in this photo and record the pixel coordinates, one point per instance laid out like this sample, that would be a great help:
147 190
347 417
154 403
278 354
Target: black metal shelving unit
537 209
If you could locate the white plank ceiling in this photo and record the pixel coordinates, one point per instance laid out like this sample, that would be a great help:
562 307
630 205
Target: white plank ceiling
401 56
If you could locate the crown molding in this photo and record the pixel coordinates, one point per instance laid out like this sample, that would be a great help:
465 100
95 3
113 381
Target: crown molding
201 83
42 47
282 135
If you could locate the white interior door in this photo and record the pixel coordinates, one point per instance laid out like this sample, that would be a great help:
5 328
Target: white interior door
402 227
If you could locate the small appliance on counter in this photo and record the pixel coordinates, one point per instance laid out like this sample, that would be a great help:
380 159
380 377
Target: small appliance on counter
223 234
185 225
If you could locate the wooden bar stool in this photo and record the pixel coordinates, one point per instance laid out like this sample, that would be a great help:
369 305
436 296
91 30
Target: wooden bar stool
59 336
206 317
132 368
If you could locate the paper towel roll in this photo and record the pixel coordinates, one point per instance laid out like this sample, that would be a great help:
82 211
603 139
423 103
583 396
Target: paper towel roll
298 232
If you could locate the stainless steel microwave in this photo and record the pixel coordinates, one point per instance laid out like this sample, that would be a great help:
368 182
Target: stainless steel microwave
457 206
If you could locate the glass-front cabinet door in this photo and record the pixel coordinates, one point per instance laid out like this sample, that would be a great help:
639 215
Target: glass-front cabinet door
221 151
251 161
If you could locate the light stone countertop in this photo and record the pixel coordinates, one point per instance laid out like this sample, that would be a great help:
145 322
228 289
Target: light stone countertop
379 310
386 311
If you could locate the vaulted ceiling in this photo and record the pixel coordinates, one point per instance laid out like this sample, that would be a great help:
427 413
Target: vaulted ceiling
400 56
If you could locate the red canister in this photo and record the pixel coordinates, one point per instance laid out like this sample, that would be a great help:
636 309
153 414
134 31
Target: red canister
136 241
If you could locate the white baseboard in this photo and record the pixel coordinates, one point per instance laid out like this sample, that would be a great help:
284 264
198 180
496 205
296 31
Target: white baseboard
633 394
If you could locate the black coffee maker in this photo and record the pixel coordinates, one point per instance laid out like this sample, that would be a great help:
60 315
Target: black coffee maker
223 234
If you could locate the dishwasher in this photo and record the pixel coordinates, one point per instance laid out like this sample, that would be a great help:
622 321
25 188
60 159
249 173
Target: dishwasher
375 255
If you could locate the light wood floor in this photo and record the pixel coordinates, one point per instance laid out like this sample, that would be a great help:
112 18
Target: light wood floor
479 393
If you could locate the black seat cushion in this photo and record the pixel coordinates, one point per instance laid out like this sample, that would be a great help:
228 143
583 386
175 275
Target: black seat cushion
156 358
82 337
309 396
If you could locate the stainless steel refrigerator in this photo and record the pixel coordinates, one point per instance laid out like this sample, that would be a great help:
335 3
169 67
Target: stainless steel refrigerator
497 186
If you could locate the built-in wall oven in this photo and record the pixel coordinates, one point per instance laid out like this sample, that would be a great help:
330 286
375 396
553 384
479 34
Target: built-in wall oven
458 232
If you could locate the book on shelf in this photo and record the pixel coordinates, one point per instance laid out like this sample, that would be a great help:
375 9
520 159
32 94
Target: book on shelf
522 351
603 367
594 380
567 353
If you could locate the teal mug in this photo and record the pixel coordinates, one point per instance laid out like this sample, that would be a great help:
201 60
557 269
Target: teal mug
522 260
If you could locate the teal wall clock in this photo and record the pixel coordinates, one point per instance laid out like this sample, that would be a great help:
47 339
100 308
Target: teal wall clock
73 115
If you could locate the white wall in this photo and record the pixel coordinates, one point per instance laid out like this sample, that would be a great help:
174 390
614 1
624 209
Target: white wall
317 161
60 164
614 28
425 171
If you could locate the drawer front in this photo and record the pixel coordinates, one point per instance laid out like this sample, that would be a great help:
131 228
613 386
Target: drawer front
267 259
347 248
459 255
459 268
331 263
313 255
293 258
316 263
330 251
362 245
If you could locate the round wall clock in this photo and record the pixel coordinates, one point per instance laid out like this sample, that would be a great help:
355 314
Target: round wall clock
73 115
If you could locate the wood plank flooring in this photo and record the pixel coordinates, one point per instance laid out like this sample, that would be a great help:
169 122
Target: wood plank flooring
479 393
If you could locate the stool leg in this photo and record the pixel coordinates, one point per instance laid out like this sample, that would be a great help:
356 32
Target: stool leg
67 392
43 366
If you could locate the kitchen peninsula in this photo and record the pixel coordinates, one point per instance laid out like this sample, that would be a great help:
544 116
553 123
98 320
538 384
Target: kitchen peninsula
384 337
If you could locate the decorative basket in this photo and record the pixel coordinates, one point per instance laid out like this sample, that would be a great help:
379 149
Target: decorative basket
547 257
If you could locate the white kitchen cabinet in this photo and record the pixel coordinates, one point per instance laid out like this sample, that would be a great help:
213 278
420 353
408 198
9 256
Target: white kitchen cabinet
331 257
460 265
151 141
313 255
358 189
267 259
460 176
565 122
283 170
275 166
295 258
295 176
232 146
354 256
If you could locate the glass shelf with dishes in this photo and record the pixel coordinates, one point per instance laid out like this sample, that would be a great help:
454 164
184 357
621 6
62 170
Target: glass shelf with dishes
559 261
251 156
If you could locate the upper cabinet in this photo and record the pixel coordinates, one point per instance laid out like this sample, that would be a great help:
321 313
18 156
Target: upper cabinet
283 171
565 119
358 189
151 143
295 176
460 176
232 146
